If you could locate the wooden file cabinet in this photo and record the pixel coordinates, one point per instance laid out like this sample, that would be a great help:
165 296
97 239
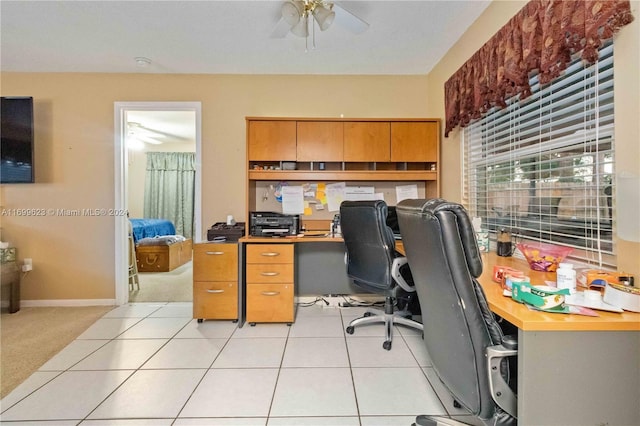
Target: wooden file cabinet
270 283
215 281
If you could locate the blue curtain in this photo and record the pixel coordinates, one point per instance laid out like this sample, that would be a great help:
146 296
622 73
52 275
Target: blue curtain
169 189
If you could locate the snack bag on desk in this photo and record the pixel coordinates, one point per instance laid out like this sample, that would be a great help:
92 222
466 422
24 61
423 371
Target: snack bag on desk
545 298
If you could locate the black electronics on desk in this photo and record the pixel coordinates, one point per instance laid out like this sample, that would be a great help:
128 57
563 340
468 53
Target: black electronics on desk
220 231
273 224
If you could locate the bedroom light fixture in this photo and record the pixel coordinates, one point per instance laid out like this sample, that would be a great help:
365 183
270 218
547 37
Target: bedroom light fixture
296 14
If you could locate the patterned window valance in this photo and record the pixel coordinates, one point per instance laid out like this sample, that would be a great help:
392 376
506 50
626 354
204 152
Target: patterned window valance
542 36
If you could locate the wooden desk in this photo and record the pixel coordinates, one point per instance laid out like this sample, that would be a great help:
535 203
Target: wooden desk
572 369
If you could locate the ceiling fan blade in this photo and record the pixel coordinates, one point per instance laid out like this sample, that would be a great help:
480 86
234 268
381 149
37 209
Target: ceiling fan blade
281 29
348 20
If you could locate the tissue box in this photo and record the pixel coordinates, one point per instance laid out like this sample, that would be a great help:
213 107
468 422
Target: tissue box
8 255
542 297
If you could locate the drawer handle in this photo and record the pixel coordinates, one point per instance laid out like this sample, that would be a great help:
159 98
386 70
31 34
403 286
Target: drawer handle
269 274
215 252
270 293
270 253
215 291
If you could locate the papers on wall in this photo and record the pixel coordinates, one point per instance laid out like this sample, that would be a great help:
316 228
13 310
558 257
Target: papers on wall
292 200
359 193
404 192
335 195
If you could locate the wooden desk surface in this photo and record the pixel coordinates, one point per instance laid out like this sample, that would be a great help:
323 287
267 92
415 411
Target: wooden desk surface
526 319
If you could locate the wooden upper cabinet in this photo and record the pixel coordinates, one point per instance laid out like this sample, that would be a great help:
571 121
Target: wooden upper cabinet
272 141
367 141
414 141
320 141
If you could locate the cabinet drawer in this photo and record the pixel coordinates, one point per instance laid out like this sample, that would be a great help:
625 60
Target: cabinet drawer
215 262
269 273
269 253
215 300
270 303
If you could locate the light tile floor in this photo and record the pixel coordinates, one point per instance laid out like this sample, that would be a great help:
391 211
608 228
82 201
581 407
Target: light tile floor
152 364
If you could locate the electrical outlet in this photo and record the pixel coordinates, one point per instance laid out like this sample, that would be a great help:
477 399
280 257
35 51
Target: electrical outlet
27 267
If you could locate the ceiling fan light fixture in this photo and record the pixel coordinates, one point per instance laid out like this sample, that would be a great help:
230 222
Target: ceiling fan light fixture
301 29
292 11
324 16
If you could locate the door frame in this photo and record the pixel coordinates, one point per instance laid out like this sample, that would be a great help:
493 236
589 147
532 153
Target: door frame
121 179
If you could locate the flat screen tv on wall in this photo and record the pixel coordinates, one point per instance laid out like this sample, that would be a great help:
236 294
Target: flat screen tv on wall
16 134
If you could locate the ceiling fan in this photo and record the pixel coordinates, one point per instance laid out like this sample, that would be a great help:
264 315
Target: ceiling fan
136 131
299 15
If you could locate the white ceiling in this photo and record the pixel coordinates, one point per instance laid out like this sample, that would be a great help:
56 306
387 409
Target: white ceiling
225 37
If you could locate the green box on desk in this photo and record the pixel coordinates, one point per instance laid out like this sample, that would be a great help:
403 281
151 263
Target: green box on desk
542 297
8 254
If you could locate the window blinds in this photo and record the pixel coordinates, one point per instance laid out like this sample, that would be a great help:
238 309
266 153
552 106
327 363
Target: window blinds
543 167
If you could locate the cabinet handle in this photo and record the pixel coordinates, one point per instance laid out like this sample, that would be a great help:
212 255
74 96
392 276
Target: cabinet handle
215 252
269 274
215 291
270 293
270 253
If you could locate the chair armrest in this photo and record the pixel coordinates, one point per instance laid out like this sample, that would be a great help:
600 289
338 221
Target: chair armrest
397 276
500 390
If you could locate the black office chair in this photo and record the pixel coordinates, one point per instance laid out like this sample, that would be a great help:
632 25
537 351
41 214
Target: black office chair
465 342
373 263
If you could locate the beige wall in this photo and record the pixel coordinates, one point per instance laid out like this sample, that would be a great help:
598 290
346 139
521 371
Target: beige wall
73 257
627 106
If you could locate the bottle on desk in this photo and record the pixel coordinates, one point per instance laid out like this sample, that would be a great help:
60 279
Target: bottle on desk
566 277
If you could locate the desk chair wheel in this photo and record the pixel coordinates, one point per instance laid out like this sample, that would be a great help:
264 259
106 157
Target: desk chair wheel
350 329
199 320
387 345
367 314
252 324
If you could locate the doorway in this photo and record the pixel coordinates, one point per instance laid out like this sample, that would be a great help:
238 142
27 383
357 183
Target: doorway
121 179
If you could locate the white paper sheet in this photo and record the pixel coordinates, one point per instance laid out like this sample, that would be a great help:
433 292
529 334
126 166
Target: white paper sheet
335 195
359 193
292 200
404 192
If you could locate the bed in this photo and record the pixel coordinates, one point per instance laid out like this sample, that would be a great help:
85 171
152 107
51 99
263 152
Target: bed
158 248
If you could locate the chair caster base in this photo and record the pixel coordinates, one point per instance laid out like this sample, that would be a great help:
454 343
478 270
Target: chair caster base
387 345
350 330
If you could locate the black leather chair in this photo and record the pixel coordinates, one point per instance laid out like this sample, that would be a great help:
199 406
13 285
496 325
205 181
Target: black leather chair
373 263
463 338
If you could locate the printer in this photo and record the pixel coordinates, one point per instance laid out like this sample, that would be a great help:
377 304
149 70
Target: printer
273 224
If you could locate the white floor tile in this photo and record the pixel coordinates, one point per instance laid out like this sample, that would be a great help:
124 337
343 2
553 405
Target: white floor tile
209 421
182 310
314 392
121 354
313 421
108 328
46 423
186 353
251 353
261 330
155 328
33 382
315 352
387 420
71 395
150 393
317 326
368 352
207 330
233 393
395 391
71 354
134 310
445 398
126 422
418 349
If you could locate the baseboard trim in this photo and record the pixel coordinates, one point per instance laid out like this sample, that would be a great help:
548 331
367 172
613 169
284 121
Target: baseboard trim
67 302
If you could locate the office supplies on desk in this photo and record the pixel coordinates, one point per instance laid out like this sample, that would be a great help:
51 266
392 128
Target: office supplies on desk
584 299
627 297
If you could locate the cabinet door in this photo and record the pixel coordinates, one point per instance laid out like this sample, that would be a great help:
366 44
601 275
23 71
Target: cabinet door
215 300
417 142
319 141
272 141
270 303
367 141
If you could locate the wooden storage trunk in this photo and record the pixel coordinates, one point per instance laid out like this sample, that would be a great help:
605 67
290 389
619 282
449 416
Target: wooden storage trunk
163 258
